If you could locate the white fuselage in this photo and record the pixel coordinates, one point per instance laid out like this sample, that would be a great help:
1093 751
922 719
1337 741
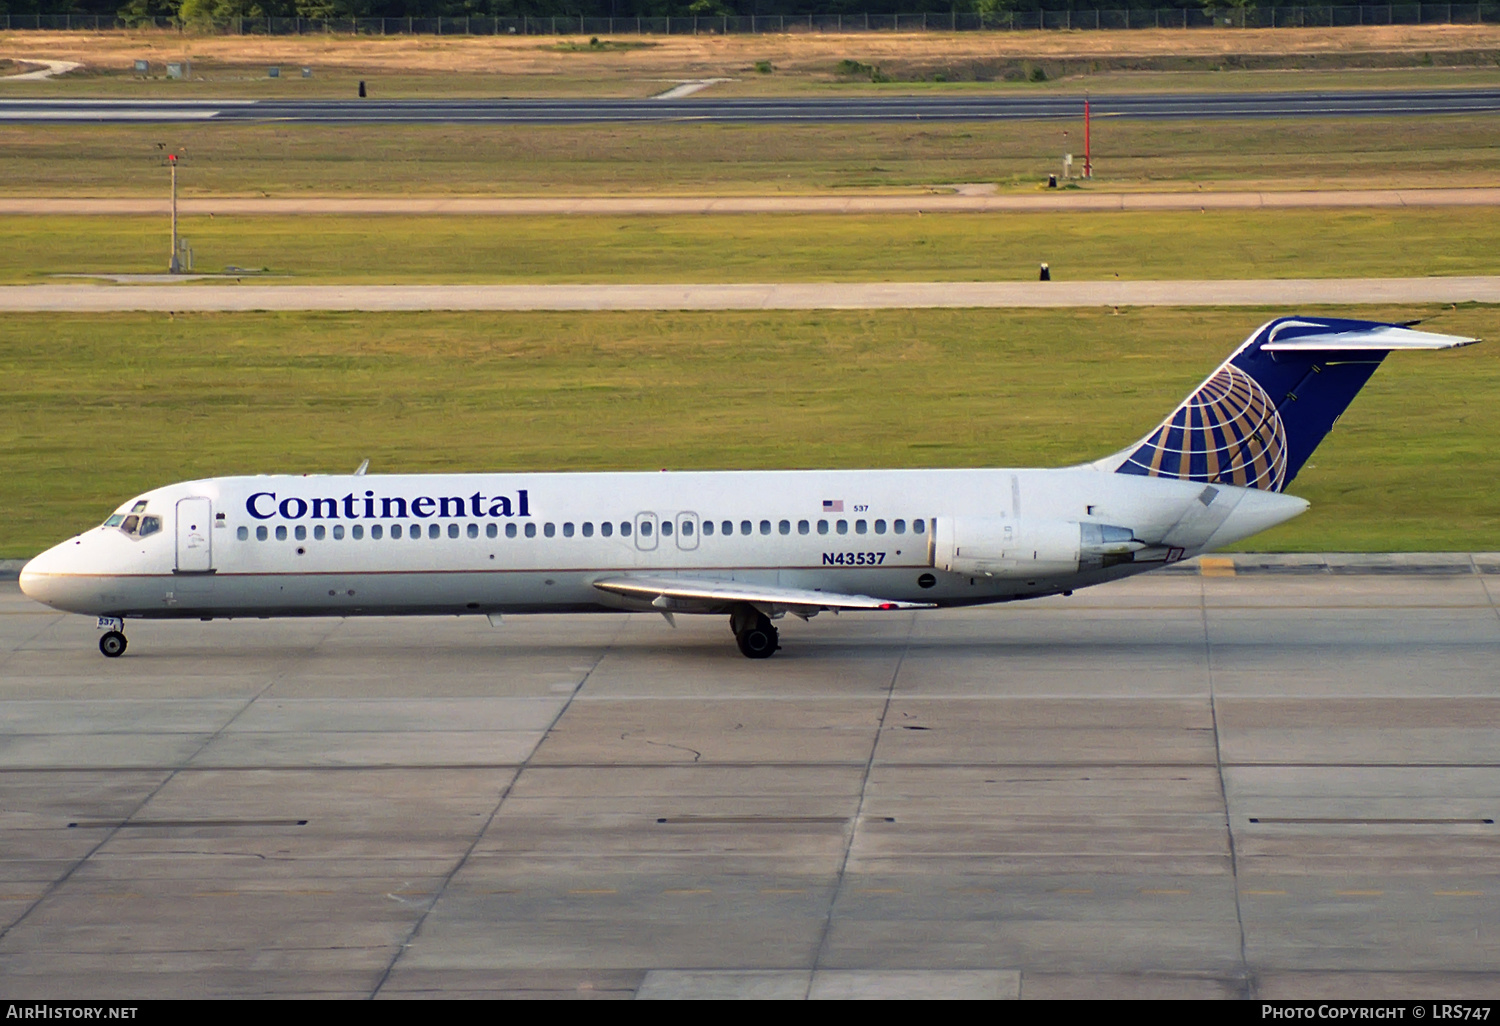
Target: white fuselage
499 543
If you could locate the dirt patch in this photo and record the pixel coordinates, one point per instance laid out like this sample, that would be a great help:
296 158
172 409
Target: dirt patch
794 53
1020 69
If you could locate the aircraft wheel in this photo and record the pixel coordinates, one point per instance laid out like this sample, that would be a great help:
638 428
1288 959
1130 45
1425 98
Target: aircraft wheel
758 642
112 644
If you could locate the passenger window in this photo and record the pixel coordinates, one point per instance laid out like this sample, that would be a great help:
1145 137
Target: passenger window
395 530
376 531
880 527
338 532
765 527
281 533
899 526
588 529
452 530
666 528
414 531
510 530
746 527
473 530
860 527
531 530
242 533
568 530
260 533
918 527
624 528
785 527
687 527
357 531
130 524
822 527
550 530
727 527
491 530
843 527
606 529
319 532
708 527
646 528
434 531
300 532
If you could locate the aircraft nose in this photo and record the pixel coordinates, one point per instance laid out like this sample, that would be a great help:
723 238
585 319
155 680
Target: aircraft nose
42 578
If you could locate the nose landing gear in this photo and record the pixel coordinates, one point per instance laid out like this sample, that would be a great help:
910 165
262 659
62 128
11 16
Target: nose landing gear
112 644
753 631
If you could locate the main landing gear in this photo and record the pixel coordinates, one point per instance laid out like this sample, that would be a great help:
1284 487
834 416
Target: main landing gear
112 644
756 636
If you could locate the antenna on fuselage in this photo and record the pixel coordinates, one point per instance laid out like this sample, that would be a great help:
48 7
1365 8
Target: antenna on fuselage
362 468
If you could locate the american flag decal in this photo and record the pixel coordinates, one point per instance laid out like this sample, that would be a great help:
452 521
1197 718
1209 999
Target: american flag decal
833 505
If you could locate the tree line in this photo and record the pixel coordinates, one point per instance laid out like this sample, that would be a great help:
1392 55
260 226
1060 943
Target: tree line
190 10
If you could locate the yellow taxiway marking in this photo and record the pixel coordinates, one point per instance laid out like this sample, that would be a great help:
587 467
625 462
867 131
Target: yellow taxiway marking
783 890
1216 566
1359 894
598 890
1163 890
19 897
972 890
510 891
877 890
688 890
1262 892
1458 894
1074 890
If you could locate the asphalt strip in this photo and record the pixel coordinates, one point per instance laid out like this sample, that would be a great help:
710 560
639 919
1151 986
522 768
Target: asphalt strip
247 295
1066 200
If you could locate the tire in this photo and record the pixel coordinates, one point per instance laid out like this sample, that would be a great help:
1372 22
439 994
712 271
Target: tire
112 644
757 642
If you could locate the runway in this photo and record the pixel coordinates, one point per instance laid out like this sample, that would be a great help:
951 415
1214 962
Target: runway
939 200
779 110
1268 779
161 293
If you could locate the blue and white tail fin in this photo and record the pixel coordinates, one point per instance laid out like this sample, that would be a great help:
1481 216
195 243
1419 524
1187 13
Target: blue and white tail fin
1258 418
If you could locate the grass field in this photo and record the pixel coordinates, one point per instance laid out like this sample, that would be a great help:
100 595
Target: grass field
94 409
802 62
1391 242
725 159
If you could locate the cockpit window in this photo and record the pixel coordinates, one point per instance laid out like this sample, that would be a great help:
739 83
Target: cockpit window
139 507
115 520
150 525
130 524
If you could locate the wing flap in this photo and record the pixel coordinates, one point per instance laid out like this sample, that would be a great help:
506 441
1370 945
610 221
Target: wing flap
677 592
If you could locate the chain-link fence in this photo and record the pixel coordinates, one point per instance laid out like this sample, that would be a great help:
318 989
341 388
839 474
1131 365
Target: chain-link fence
1002 21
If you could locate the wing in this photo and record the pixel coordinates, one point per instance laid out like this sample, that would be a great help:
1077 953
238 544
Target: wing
698 595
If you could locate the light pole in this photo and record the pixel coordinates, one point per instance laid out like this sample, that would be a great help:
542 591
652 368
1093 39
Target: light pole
174 266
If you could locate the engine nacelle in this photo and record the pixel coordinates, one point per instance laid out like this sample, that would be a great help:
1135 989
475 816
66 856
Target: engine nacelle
995 547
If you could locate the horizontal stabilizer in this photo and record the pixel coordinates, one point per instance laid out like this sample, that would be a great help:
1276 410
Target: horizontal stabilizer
1383 338
680 592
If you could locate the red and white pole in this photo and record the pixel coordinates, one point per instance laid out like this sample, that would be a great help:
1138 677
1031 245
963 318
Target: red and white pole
1088 165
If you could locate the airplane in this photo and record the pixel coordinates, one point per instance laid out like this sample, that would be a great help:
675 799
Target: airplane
755 545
